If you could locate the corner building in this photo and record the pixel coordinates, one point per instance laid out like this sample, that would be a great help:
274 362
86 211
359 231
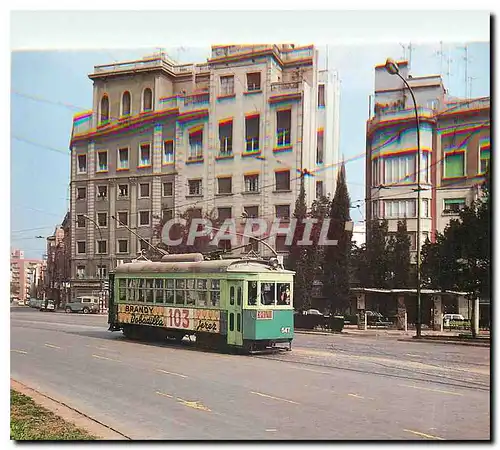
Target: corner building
228 137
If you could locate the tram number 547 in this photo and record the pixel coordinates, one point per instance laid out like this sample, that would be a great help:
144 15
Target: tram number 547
178 318
285 330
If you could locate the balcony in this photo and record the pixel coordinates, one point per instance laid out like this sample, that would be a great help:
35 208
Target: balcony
193 102
282 88
395 112
297 53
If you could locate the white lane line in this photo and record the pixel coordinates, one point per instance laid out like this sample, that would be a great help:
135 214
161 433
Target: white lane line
431 390
275 398
172 373
51 346
103 357
19 351
355 395
164 395
429 436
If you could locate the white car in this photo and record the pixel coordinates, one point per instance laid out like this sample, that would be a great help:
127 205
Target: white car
450 317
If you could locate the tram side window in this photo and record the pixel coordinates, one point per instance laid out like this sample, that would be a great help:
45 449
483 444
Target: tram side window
142 290
169 292
159 291
215 292
191 292
132 290
268 294
252 293
180 292
149 291
122 289
284 295
201 293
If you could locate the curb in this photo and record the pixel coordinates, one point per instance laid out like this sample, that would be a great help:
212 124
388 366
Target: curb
447 341
69 414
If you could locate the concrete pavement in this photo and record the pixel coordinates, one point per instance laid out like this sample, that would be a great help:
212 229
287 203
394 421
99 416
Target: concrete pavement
328 387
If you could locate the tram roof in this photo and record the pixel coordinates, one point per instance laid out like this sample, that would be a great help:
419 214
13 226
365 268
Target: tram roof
215 266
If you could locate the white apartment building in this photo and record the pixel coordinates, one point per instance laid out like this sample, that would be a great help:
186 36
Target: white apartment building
229 137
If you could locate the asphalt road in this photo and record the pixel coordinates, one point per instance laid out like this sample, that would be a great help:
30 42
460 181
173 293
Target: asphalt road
329 387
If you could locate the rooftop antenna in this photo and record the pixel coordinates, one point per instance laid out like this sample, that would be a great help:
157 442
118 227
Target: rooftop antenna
466 59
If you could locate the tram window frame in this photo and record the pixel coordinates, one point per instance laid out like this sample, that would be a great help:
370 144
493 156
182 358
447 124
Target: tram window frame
159 290
122 289
231 321
214 290
279 288
141 290
191 292
262 293
149 297
201 292
180 291
239 295
132 289
232 294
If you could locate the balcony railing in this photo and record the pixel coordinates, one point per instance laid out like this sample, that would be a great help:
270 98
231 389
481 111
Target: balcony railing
285 87
401 114
252 144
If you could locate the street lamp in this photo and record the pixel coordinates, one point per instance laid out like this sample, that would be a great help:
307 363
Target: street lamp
392 68
100 256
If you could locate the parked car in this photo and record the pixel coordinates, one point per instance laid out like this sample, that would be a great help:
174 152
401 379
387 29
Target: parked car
47 305
84 304
376 318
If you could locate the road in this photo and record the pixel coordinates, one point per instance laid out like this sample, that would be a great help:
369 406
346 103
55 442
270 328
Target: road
335 387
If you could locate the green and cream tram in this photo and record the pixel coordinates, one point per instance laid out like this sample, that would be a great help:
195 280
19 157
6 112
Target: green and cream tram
239 303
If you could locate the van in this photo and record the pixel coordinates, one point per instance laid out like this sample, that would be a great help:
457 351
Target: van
47 305
84 304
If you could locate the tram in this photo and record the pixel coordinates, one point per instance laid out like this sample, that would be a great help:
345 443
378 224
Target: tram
245 304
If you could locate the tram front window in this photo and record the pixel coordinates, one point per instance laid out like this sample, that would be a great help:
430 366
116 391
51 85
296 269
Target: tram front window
268 294
252 293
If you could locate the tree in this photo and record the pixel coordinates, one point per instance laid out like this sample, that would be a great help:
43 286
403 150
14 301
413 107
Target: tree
299 255
376 255
399 257
336 267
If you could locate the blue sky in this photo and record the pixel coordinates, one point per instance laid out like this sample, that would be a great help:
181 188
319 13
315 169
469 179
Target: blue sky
48 87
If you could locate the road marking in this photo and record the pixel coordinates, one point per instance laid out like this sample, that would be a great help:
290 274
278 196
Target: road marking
275 398
410 354
51 346
355 395
312 370
103 357
194 405
272 429
430 436
19 351
172 373
165 395
432 390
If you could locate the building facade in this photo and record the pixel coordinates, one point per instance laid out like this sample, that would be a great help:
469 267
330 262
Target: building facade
26 276
228 137
455 150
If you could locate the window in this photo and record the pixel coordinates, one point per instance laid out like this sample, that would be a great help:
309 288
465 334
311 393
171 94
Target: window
252 136
321 95
82 163
224 213
280 244
102 271
80 271
253 81
168 189
214 289
102 161
122 245
80 221
224 244
320 147
147 100
413 240
400 169
282 211
159 292
168 152
425 207
123 158
122 190
196 145
145 155
143 244
126 103
319 189
102 247
251 183
143 190
81 193
453 205
424 169
195 187
268 294
284 294
454 165
102 192
231 321
225 185
122 218
102 219
484 160
283 126
144 218
252 293
201 294
226 138
81 247
167 214
400 208
180 292
227 85
282 180
251 212
104 109
375 172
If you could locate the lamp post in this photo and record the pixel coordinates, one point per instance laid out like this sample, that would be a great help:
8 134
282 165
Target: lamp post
393 69
100 257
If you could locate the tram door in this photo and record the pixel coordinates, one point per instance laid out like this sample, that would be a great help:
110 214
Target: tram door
234 313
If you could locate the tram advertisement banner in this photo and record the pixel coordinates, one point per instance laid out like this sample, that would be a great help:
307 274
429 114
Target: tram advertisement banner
207 320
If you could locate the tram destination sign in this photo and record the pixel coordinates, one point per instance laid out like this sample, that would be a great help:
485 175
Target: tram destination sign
207 320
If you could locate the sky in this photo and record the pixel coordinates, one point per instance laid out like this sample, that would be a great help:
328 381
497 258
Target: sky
48 86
